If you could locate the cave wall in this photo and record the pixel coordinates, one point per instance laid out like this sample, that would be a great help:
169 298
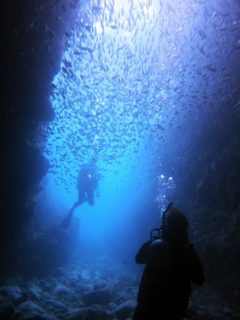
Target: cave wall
33 39
209 192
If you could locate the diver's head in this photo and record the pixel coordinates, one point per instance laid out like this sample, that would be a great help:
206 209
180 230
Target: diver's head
174 226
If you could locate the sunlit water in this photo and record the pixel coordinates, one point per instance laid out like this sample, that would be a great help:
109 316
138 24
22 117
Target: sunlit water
136 81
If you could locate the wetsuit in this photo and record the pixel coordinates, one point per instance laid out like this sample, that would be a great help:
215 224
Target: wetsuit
165 286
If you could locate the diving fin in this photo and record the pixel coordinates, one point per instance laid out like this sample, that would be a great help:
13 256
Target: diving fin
67 220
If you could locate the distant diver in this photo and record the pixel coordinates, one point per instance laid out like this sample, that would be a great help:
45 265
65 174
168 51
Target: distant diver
172 265
87 184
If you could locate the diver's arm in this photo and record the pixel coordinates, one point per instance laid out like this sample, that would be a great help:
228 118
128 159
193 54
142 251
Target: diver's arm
142 255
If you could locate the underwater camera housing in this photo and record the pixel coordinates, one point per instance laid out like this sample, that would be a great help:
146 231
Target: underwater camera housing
156 232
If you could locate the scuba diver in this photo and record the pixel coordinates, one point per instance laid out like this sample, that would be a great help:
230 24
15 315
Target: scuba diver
172 265
87 184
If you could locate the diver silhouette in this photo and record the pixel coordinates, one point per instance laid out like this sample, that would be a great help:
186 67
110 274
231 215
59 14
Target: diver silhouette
87 184
172 265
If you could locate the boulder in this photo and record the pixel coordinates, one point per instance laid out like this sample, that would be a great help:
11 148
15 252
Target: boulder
35 316
34 292
228 311
125 309
13 293
96 314
85 275
7 311
72 280
101 297
62 290
30 306
99 285
58 306
4 299
77 314
82 288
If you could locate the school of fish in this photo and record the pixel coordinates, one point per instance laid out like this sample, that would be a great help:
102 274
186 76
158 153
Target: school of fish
135 69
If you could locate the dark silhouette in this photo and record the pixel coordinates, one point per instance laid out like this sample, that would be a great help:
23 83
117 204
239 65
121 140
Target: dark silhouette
171 265
87 184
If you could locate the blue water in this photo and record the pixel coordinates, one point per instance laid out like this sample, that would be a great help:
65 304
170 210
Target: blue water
149 89
137 81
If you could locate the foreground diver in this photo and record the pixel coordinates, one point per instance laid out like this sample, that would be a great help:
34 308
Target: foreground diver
171 266
87 184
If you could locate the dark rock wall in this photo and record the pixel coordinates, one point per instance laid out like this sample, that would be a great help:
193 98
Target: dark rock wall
32 42
210 194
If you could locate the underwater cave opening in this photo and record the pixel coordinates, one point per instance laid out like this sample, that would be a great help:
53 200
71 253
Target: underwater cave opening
150 91
131 92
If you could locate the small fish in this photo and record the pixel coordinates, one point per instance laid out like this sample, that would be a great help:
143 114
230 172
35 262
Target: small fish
236 45
77 52
86 49
67 34
211 67
201 33
59 18
67 63
97 9
202 50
